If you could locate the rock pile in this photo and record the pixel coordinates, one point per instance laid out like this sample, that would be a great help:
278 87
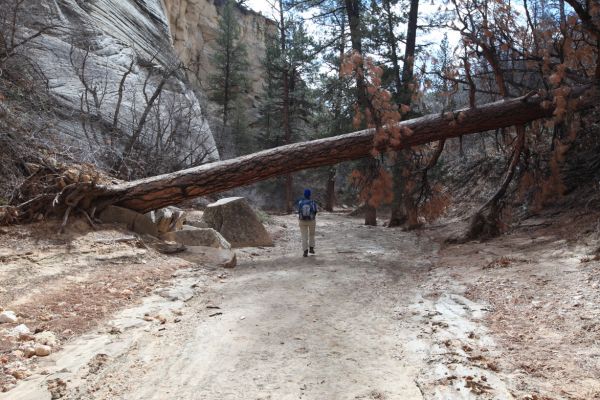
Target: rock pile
211 234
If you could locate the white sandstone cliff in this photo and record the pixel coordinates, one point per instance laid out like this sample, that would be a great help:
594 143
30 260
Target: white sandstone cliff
100 44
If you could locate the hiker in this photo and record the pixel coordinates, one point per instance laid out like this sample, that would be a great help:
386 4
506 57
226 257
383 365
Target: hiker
307 212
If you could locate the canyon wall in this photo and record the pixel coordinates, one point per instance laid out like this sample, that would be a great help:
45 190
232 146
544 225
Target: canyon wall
194 29
117 81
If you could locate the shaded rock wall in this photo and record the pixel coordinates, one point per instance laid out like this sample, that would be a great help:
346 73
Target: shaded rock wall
94 46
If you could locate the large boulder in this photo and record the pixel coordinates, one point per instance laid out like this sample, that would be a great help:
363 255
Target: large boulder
237 222
192 236
168 219
194 218
136 222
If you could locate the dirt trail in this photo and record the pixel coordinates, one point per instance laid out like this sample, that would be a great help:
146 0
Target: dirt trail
376 314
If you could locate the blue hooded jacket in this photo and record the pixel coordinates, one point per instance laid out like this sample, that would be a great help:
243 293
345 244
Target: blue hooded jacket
307 208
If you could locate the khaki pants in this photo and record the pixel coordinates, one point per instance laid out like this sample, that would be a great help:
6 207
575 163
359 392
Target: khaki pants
307 230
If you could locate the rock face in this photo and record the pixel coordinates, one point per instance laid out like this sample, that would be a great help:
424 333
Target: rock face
237 222
100 44
194 27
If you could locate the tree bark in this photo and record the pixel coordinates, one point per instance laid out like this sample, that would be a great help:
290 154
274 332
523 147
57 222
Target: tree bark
330 192
160 191
409 54
485 224
369 167
403 207
392 42
287 129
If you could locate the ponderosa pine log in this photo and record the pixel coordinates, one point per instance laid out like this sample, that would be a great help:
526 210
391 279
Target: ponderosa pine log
163 190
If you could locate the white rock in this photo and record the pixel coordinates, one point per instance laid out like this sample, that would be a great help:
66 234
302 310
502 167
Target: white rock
197 237
177 293
20 330
42 350
28 351
47 338
239 224
8 317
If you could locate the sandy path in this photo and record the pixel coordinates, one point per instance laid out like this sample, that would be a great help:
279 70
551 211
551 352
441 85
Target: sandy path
316 328
377 314
291 327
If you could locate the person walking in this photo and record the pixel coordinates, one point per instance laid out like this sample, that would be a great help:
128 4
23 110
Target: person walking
307 214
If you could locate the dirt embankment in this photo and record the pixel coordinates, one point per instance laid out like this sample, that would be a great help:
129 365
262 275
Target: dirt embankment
377 313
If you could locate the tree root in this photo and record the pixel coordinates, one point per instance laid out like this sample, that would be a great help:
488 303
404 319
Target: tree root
65 220
55 189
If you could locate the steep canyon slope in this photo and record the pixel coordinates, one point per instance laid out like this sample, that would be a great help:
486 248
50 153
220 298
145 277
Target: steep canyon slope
118 89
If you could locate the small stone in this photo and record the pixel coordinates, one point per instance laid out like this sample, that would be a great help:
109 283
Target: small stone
177 293
28 352
26 337
20 330
46 337
8 317
42 350
57 388
45 317
115 330
20 373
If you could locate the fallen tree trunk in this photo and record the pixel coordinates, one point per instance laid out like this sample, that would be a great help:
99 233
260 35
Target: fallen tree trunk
159 191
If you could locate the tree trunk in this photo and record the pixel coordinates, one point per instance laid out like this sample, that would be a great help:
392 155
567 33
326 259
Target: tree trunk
398 212
403 207
486 222
330 192
160 191
287 128
337 112
409 54
392 42
354 25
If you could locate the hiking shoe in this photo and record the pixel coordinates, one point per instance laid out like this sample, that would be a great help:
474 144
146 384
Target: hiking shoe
305 253
312 250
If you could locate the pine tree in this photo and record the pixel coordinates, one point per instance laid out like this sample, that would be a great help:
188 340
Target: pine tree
382 23
287 99
230 61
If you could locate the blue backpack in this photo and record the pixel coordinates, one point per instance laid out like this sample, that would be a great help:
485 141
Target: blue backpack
307 209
